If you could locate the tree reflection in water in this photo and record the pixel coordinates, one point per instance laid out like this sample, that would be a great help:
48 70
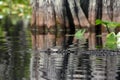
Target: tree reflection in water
14 51
56 62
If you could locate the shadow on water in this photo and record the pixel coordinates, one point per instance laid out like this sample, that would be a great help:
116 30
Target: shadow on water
15 52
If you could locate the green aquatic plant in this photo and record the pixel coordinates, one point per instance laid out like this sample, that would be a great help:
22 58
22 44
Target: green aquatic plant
108 24
80 34
111 38
111 41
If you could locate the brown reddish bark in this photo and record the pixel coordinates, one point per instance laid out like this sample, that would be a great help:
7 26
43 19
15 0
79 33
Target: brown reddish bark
92 12
116 9
71 14
91 18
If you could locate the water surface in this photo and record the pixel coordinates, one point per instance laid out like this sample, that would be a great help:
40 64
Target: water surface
50 57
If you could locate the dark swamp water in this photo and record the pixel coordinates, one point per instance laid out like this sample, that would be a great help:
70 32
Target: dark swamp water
49 57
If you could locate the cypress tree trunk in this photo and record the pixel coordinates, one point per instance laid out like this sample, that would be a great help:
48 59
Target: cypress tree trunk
67 15
72 14
52 12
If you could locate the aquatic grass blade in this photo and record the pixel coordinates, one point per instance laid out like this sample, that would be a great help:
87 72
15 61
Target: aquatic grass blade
79 34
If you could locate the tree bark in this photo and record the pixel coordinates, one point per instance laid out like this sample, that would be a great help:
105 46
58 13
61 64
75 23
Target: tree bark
52 12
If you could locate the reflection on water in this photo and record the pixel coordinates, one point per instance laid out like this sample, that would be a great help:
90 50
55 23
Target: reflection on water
54 58
104 67
14 53
69 65
53 61
14 59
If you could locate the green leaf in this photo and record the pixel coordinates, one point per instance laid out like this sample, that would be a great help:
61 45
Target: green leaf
107 23
80 33
6 10
98 21
118 40
14 12
111 41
